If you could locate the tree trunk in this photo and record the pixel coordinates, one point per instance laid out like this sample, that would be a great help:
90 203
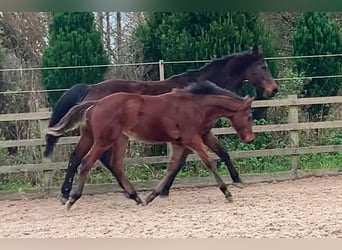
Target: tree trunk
100 20
118 36
108 31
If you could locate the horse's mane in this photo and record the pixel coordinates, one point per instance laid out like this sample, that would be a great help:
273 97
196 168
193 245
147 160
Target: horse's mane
245 58
219 61
209 88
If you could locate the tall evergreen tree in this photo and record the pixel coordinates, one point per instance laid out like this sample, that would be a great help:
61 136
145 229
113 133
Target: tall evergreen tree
202 35
317 34
73 41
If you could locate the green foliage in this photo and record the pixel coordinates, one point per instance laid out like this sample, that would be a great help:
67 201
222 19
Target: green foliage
321 161
73 41
200 35
1 55
291 87
337 140
2 84
316 33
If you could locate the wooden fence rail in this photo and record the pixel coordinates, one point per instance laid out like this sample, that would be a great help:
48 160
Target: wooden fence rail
216 131
293 127
43 115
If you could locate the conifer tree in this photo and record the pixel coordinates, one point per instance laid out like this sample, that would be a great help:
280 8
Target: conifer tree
317 34
73 41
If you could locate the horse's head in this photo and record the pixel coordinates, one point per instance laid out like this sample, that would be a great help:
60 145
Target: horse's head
242 121
259 75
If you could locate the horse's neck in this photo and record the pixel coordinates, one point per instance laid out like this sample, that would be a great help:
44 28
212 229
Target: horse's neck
219 106
227 79
229 82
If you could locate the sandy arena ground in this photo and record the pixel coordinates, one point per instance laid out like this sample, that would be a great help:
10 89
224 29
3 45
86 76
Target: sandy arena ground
303 208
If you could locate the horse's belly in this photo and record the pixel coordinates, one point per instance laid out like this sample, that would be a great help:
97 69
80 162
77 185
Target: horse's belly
149 136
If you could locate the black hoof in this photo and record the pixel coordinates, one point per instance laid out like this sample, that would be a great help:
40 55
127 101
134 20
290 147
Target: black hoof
238 185
164 195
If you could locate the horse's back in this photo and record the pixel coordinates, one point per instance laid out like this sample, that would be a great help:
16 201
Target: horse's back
112 86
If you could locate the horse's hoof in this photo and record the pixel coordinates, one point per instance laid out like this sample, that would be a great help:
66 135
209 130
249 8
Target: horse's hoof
140 201
238 185
229 199
164 195
148 200
63 200
69 205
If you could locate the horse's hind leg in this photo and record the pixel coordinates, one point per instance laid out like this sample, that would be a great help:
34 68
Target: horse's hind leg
173 168
87 163
117 167
198 146
106 160
213 143
181 162
74 162
80 151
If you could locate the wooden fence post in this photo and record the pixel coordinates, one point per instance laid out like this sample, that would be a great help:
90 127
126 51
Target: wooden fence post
294 134
43 124
162 78
47 175
161 70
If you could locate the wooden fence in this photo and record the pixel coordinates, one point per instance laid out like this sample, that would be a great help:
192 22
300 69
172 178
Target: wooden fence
293 127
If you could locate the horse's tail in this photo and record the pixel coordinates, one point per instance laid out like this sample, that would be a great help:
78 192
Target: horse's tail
69 99
71 120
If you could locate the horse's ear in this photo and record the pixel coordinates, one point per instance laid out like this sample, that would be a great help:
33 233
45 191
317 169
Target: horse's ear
257 50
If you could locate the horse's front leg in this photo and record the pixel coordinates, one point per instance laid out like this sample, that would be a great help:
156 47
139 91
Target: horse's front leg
177 152
118 150
213 143
173 174
80 151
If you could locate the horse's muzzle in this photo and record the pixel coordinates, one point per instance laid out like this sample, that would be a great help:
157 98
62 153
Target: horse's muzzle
270 93
248 138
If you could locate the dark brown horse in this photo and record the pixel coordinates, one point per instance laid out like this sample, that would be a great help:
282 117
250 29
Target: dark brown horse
181 117
228 72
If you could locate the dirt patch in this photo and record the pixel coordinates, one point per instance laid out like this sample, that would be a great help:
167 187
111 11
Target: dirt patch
303 208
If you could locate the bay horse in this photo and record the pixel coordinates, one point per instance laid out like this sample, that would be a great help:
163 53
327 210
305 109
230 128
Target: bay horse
180 117
228 72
